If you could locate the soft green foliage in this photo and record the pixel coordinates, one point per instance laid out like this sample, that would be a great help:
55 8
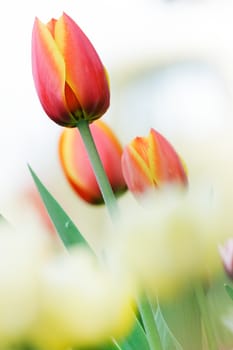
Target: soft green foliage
182 316
136 340
65 227
70 236
3 220
229 291
168 339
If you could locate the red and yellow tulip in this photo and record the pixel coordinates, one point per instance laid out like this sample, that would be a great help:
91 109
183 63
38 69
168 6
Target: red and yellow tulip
77 167
151 161
69 76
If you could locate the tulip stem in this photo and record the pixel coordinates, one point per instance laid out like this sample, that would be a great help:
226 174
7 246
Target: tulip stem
101 177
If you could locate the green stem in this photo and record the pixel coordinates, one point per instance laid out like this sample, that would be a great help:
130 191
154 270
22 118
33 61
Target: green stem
101 177
149 323
209 331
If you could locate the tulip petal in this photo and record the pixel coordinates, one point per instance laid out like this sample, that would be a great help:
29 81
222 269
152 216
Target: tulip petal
48 69
85 73
165 164
151 161
77 167
135 169
110 152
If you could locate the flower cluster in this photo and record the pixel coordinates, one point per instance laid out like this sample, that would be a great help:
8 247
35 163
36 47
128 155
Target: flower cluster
72 85
164 243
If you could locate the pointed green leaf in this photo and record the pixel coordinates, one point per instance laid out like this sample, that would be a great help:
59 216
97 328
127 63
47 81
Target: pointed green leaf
229 290
148 321
112 346
136 340
65 227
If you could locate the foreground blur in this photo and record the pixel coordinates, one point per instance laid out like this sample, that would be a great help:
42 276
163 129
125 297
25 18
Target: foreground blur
47 299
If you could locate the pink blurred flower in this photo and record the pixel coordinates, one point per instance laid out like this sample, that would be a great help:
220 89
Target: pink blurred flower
226 253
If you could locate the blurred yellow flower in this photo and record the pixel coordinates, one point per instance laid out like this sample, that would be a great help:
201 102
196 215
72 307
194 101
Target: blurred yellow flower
56 299
21 256
82 303
170 240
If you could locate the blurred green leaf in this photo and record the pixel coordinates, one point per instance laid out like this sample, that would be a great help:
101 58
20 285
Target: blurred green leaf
112 346
4 222
109 346
65 227
136 340
182 316
146 311
220 305
169 342
2 219
229 290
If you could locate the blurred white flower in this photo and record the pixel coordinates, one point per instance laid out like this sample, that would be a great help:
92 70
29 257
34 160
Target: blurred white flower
21 256
81 303
53 298
170 240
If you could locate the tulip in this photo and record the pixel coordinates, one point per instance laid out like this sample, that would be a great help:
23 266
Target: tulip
77 167
69 77
226 253
150 162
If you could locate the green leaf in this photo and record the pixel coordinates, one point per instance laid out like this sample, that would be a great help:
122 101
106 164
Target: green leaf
4 223
65 227
113 346
168 340
3 220
109 346
183 318
136 340
148 322
229 291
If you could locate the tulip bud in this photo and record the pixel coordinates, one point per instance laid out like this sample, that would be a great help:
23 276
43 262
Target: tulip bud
69 77
151 161
77 167
226 253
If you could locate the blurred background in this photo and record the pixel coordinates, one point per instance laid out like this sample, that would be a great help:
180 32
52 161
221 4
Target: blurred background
170 64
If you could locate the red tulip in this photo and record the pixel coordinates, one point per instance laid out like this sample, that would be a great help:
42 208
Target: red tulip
151 161
70 79
77 167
